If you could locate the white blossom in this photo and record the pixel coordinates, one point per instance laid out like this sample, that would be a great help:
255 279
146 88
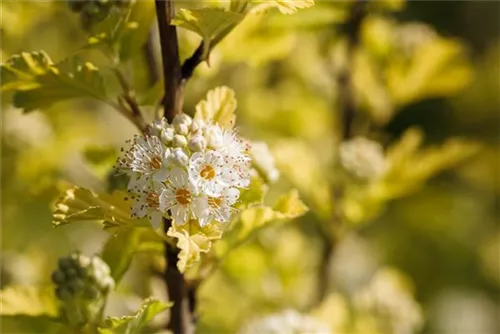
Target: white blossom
199 167
181 197
147 203
363 158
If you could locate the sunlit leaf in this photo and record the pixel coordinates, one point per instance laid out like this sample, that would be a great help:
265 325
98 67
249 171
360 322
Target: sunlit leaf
209 22
28 301
193 240
80 204
37 83
135 323
288 206
218 107
288 6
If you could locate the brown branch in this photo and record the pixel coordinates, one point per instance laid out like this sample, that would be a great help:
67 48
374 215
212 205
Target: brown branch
348 110
180 316
151 61
172 102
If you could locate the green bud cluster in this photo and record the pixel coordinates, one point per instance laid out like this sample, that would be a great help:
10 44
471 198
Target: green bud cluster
95 11
82 285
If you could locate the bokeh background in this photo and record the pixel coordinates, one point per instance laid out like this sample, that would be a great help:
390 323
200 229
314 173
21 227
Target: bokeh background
439 244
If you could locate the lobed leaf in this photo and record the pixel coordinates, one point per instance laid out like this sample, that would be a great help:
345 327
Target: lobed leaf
210 23
80 204
285 6
218 107
135 323
38 83
193 240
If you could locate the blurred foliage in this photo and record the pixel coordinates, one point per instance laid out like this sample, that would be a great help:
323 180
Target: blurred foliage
432 217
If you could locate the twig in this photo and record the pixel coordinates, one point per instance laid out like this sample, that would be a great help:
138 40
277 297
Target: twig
180 315
151 61
172 102
348 111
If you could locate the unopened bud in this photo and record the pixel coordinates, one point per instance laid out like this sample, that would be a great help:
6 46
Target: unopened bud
167 135
181 129
197 144
196 125
182 119
179 157
179 141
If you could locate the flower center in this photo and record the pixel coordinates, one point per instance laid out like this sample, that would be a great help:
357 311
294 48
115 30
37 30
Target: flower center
214 202
153 201
207 172
183 196
155 163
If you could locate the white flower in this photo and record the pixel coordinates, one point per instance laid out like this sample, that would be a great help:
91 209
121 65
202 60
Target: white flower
147 156
206 170
363 158
147 203
220 208
182 199
264 161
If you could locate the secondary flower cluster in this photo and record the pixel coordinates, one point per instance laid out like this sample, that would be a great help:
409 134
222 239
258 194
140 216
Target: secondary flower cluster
190 170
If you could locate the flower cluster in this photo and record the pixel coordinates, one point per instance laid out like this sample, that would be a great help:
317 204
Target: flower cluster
82 284
187 170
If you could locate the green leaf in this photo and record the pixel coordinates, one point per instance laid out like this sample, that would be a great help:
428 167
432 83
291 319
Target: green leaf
287 6
133 324
218 107
193 240
289 206
254 193
22 324
37 83
210 23
28 301
80 204
119 250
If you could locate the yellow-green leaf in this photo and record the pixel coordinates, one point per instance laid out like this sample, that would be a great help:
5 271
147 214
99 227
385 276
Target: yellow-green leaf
133 324
193 240
288 6
37 83
210 23
289 206
80 204
218 107
28 300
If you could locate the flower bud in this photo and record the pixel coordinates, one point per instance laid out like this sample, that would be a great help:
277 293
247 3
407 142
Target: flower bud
179 141
182 119
181 129
196 125
82 285
167 135
179 157
197 144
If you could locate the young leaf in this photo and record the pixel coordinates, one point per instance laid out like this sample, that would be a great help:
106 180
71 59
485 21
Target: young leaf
287 6
193 240
80 204
28 301
218 107
37 83
135 323
210 23
289 206
119 250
